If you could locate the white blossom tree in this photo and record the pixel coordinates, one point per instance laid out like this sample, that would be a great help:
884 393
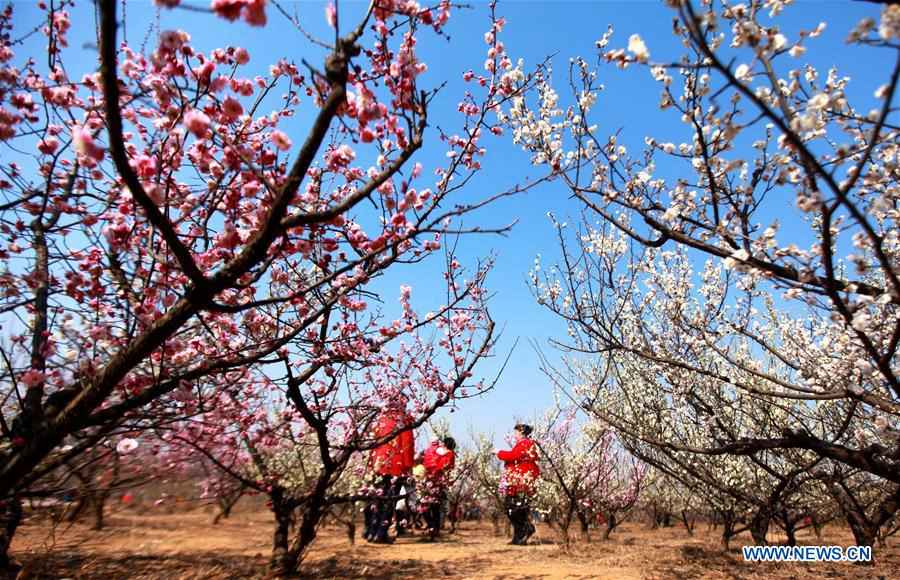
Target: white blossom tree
736 295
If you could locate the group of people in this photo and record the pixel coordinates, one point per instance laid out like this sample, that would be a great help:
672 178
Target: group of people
407 486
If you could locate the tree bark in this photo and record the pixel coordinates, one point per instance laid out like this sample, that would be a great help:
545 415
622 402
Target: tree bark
315 508
351 530
611 524
226 504
865 528
688 523
727 529
790 528
759 525
863 534
98 503
283 512
10 517
564 524
72 515
585 527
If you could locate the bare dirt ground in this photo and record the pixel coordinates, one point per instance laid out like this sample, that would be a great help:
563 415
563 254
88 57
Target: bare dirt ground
186 546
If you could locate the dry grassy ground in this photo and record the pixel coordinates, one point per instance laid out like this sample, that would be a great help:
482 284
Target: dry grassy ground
183 546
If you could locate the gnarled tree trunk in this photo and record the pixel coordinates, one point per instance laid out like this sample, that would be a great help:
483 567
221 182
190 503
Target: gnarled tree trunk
10 517
759 525
284 517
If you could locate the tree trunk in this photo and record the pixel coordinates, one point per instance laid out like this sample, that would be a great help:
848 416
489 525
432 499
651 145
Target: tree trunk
283 512
564 524
495 523
864 528
688 523
759 526
727 529
351 530
306 535
72 514
315 509
10 517
817 526
585 527
611 524
226 504
98 503
865 535
790 528
791 534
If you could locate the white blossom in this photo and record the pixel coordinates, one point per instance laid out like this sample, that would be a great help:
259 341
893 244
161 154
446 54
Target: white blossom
637 47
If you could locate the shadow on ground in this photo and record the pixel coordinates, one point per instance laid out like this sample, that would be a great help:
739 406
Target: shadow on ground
80 566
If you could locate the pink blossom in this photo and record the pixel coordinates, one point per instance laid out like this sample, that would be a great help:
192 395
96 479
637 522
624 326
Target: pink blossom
232 108
126 446
204 71
32 378
398 220
197 122
228 9
331 14
241 56
340 157
48 146
144 165
280 140
85 145
255 12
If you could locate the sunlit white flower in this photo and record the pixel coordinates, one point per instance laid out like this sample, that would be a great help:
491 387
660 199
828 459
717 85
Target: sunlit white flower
778 42
889 26
818 102
637 47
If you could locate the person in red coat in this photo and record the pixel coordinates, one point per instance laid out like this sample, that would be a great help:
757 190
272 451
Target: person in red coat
396 457
518 483
438 460
391 463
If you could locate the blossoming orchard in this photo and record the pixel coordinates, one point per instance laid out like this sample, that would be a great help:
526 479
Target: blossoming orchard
408 289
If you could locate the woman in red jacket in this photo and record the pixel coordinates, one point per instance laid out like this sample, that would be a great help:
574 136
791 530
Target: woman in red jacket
392 463
438 460
518 483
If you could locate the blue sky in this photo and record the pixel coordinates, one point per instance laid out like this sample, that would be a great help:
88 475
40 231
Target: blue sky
535 30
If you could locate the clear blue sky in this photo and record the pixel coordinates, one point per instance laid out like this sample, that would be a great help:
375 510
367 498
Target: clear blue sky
535 30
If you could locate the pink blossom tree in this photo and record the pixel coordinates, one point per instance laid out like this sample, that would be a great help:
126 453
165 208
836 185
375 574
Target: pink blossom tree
586 474
301 439
172 238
